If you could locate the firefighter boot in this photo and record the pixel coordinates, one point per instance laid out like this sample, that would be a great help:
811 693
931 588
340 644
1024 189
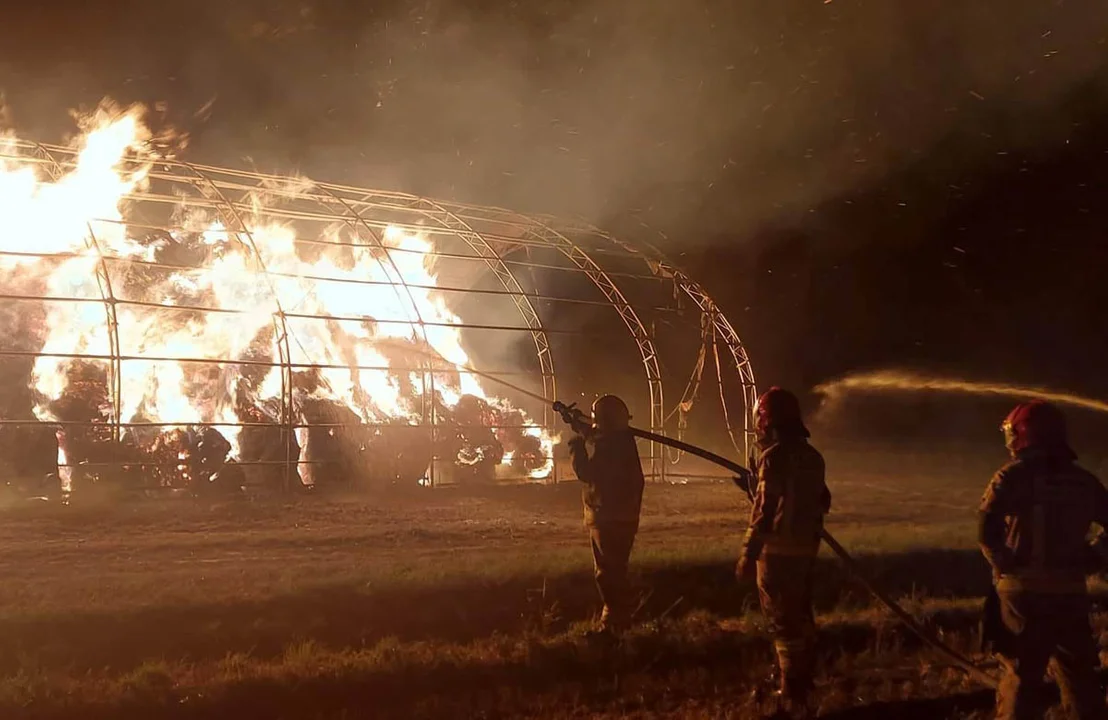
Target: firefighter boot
794 658
765 692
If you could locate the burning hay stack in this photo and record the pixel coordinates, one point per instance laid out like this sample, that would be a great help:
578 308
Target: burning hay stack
204 343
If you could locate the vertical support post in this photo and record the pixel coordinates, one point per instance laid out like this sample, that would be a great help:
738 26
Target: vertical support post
434 447
424 412
290 468
657 452
551 429
280 324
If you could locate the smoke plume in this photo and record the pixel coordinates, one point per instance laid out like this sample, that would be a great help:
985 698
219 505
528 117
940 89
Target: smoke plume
701 115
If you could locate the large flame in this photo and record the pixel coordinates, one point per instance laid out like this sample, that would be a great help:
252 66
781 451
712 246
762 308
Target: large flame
210 340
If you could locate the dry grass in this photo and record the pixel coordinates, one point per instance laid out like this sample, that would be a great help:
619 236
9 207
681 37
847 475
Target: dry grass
452 603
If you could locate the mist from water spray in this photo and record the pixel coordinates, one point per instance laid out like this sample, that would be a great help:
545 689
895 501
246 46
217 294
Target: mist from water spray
896 381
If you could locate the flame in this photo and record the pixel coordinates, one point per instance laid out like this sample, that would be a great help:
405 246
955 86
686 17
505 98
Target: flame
65 473
259 298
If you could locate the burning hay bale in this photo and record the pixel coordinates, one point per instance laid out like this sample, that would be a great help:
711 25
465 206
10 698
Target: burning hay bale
88 455
29 459
471 442
268 453
526 453
331 444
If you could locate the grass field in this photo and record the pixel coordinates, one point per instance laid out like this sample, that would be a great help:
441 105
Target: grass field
462 603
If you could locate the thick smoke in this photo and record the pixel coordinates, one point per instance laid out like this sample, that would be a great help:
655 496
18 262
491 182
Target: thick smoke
700 115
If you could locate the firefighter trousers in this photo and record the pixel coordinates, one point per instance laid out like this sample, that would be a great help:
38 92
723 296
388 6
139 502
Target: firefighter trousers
1045 627
785 589
785 592
611 554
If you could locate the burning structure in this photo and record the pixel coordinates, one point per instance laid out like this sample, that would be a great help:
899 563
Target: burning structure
173 325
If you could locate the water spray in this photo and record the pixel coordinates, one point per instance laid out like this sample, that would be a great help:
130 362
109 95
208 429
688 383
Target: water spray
896 381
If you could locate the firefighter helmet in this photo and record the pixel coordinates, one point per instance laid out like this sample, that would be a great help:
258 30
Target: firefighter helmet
778 412
610 412
1034 424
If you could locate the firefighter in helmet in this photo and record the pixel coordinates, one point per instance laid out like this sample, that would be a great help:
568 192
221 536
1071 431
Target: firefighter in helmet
606 459
783 538
1034 525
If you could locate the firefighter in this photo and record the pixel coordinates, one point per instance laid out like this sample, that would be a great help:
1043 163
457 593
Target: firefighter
1034 522
606 460
781 543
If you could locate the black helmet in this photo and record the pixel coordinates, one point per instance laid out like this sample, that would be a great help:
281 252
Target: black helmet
610 412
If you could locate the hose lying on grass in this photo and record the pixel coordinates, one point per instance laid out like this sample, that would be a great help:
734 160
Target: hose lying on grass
742 480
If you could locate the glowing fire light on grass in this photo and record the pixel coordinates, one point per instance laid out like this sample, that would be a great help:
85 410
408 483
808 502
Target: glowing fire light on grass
208 321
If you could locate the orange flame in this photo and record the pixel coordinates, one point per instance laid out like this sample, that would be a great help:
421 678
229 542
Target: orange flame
81 214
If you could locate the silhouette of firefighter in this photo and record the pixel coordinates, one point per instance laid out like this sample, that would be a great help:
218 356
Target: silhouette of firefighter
606 460
1034 525
781 543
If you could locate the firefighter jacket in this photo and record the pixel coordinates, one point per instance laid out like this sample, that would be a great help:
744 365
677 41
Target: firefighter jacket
1034 522
789 503
609 466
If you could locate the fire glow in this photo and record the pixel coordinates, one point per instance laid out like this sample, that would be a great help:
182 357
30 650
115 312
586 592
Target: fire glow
209 317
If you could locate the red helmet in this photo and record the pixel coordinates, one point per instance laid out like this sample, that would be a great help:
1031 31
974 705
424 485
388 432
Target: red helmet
778 410
1034 424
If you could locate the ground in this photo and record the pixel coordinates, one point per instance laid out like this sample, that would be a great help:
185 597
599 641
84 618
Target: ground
462 603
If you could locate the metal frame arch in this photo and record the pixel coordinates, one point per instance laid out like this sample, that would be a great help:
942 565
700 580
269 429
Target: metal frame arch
280 326
584 262
426 410
479 245
734 344
661 265
724 328
357 218
483 250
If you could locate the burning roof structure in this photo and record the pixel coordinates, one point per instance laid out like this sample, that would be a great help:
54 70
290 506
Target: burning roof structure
174 325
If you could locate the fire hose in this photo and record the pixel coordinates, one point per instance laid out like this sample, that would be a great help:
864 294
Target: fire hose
743 480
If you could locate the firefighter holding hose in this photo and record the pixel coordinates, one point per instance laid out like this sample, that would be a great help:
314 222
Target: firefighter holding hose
1034 524
606 459
783 538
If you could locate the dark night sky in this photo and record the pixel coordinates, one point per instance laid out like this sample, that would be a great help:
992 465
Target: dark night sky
860 184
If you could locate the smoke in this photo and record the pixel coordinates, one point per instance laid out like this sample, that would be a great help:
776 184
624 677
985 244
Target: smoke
702 115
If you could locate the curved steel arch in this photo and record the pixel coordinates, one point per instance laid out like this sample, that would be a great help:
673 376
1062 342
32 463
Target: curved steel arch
280 324
508 281
356 217
577 255
734 345
662 266
481 247
426 411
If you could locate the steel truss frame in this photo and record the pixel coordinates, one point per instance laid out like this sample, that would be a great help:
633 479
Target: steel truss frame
489 235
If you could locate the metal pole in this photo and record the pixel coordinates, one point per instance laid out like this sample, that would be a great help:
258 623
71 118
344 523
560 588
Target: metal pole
434 450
